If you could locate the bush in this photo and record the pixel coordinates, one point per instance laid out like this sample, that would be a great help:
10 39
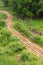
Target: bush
2 24
4 37
38 40
17 47
2 16
25 56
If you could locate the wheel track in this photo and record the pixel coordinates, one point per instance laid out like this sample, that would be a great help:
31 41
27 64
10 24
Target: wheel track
29 45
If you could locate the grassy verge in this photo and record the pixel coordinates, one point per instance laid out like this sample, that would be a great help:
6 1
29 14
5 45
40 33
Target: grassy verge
32 29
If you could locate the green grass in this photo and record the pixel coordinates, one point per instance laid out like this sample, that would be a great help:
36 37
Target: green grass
12 50
37 25
2 22
2 16
25 27
1 5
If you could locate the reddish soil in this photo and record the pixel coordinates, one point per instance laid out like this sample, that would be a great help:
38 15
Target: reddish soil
30 46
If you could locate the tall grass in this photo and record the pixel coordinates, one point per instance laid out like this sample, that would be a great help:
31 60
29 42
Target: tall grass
25 27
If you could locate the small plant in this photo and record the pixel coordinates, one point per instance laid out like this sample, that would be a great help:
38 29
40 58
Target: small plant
25 56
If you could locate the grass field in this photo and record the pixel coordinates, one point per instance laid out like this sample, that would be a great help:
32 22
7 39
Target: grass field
32 29
12 51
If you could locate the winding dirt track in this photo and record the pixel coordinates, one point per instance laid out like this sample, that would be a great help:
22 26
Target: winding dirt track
29 45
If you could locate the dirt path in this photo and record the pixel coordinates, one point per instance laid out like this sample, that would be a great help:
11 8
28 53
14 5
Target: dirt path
29 45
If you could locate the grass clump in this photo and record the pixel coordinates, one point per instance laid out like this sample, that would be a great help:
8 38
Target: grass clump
17 47
2 20
25 56
2 24
38 40
2 16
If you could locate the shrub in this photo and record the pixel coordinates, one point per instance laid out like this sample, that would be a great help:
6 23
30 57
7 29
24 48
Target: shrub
38 40
17 47
2 16
25 56
2 24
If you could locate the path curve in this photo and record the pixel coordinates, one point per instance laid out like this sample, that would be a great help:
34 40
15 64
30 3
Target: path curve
29 45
